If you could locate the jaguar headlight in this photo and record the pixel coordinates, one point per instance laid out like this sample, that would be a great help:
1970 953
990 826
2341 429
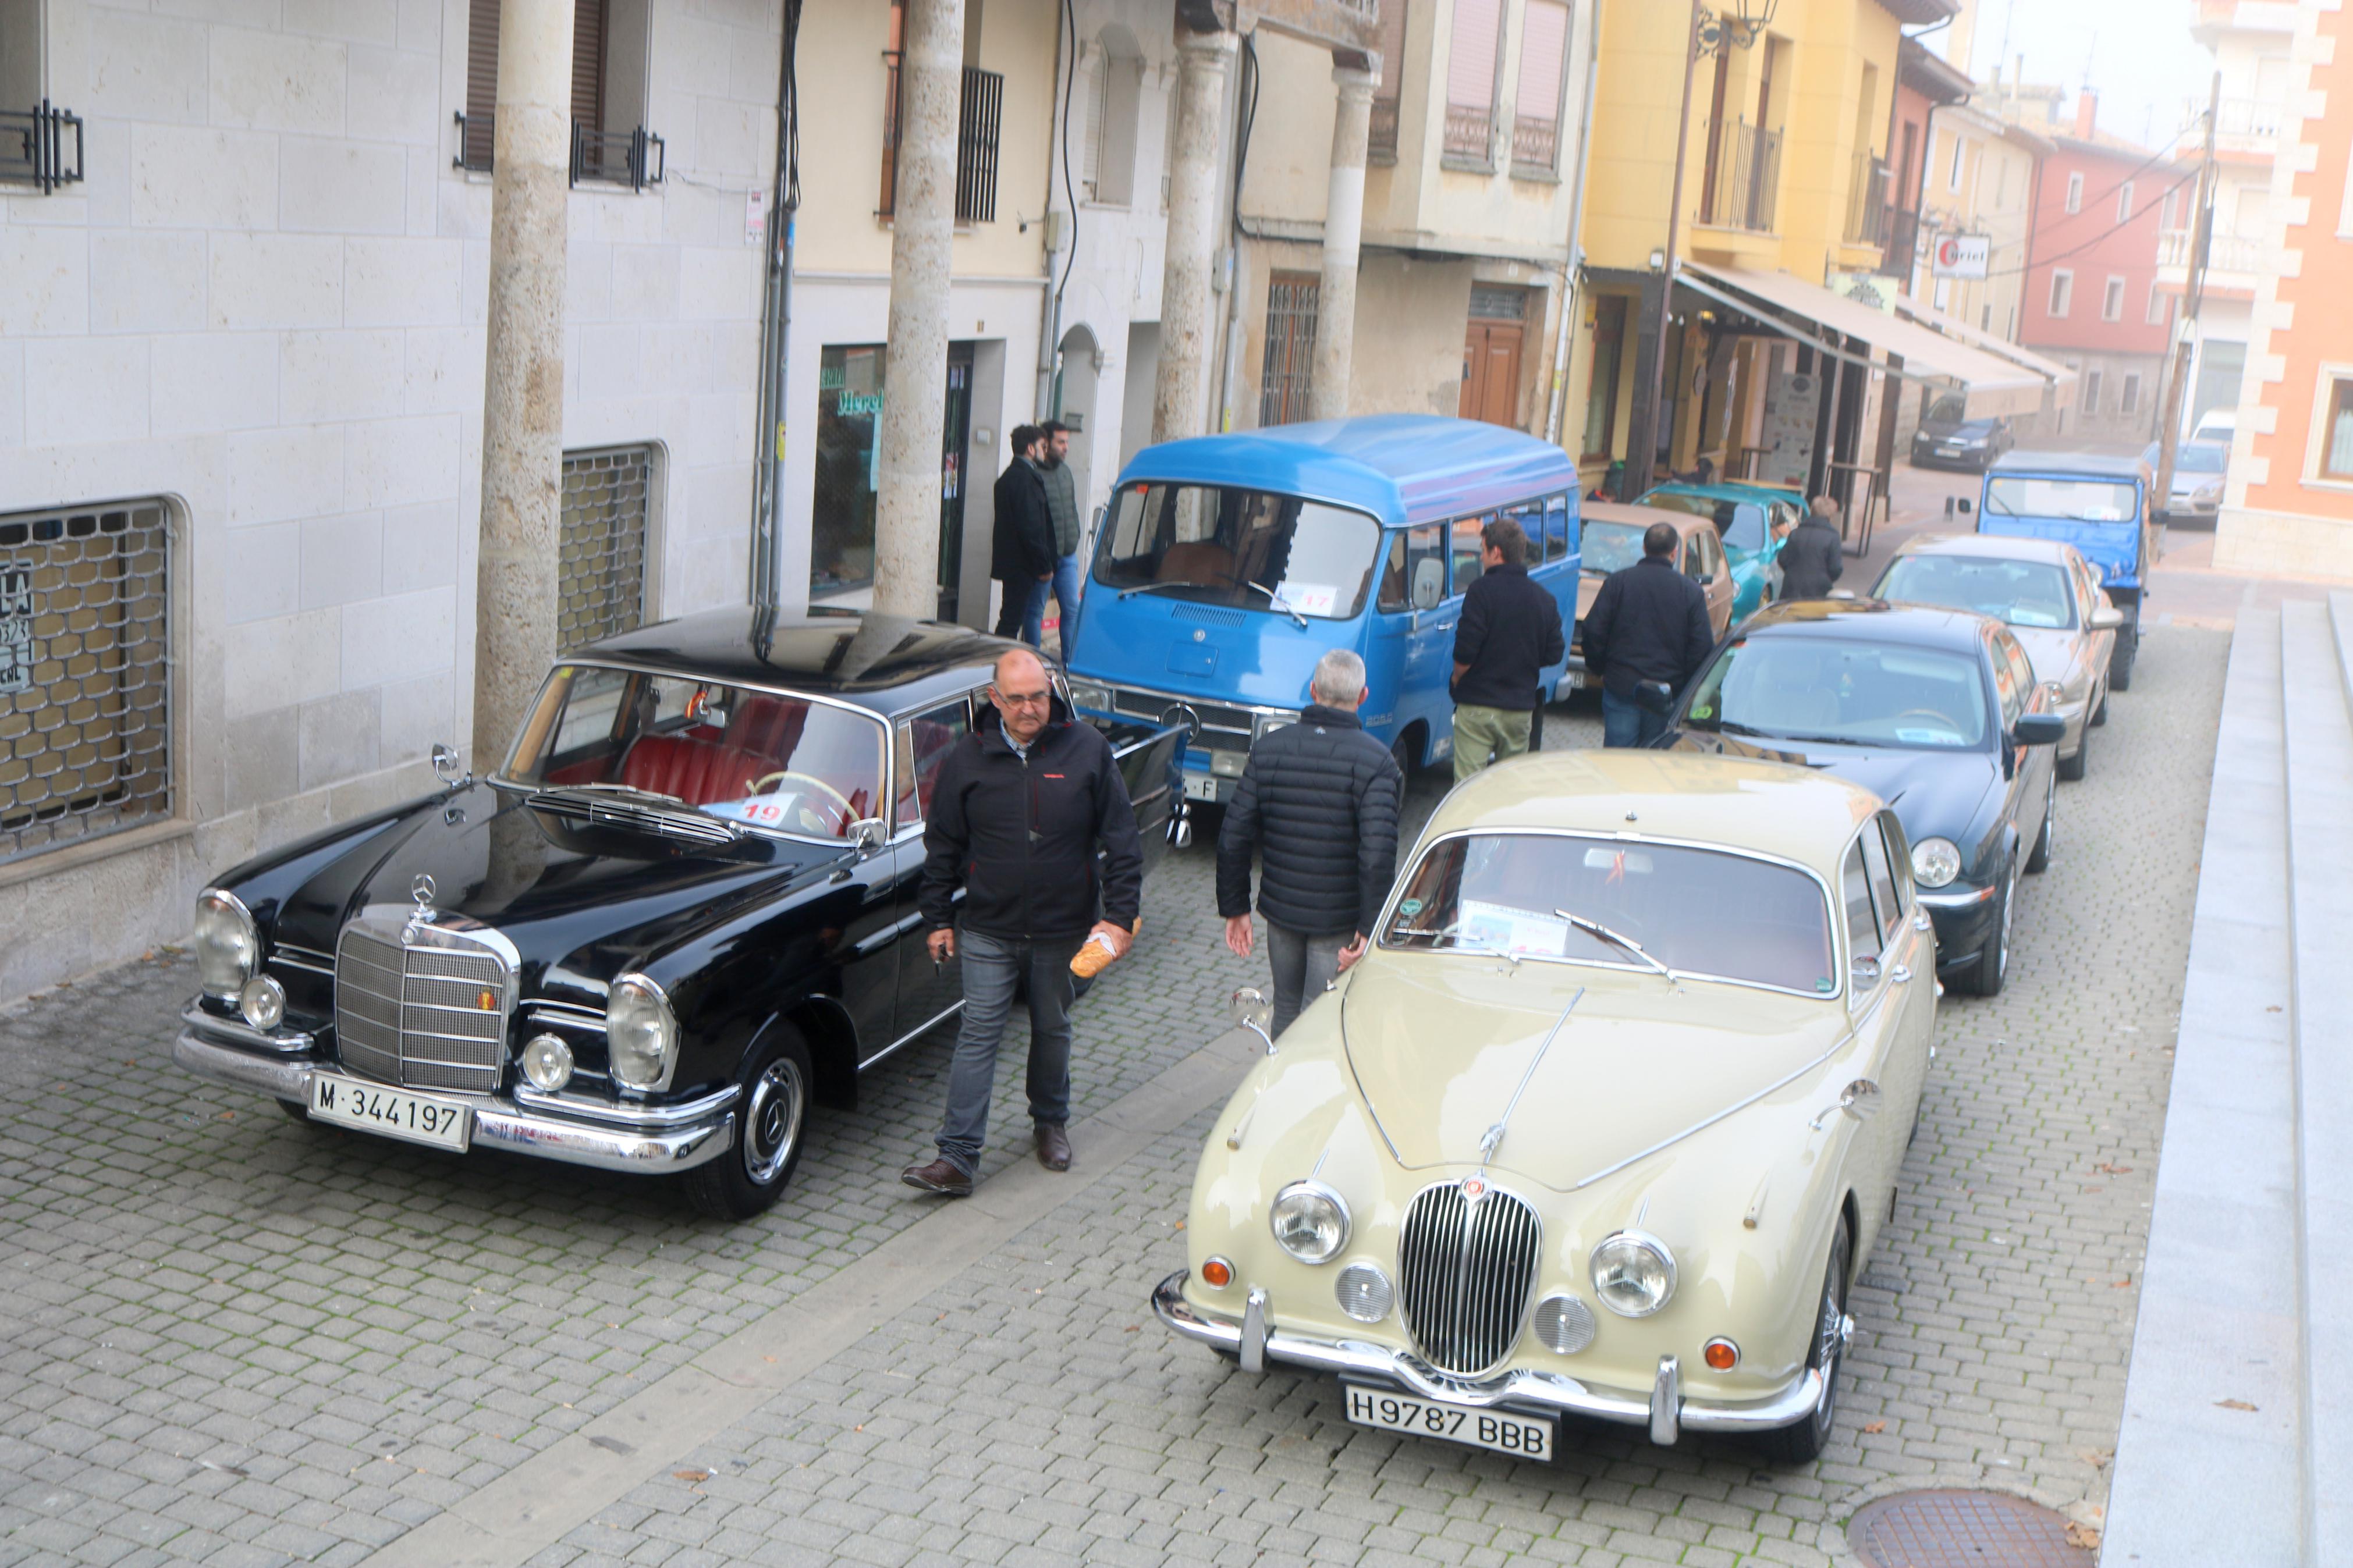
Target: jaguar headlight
1091 694
228 947
640 1032
1935 862
1633 1273
1310 1222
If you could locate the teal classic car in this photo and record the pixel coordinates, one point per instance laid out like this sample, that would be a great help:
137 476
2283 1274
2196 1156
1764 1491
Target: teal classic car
1751 520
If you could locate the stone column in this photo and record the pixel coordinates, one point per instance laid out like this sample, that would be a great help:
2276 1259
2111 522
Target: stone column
1179 390
1343 224
915 382
523 399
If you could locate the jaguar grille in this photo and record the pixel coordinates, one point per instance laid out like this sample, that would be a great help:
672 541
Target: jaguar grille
428 1014
1465 1267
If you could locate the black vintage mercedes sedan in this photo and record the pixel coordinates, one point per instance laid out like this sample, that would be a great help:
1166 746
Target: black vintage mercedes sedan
678 912
1937 712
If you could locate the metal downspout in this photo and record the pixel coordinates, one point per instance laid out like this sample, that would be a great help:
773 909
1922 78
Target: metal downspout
775 326
1569 274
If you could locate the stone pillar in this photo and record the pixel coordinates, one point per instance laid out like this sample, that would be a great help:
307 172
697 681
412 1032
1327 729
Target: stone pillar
1343 224
522 399
1180 388
915 382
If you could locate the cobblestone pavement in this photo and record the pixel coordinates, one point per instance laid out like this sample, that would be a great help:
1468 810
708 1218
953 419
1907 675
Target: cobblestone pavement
227 1338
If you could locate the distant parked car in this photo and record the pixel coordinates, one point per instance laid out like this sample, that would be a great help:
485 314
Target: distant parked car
1949 438
673 917
1752 521
1613 541
2199 471
2217 425
1935 712
2045 593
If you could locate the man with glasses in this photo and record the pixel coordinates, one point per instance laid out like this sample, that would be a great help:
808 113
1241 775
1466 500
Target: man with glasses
1020 807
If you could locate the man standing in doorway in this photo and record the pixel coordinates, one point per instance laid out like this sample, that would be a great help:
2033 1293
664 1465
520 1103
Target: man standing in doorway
1813 558
1646 634
1021 547
1509 632
1019 809
1062 506
1318 801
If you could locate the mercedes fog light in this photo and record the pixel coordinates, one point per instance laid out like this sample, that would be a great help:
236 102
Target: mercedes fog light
263 1002
547 1062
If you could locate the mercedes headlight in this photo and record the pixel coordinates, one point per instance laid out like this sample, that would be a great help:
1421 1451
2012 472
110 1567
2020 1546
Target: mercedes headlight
228 947
1091 694
1935 862
640 1032
1266 724
1310 1222
1633 1274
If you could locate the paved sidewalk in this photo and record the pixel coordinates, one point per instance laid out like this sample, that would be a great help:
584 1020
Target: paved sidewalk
226 1337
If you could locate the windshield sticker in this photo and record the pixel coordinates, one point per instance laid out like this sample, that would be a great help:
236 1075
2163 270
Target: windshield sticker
1410 907
1704 710
1309 598
2020 615
764 811
1826 984
1510 930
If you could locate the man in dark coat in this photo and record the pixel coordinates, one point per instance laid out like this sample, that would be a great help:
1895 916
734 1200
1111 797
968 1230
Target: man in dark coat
1510 631
1813 558
1646 634
1020 807
1021 549
1318 801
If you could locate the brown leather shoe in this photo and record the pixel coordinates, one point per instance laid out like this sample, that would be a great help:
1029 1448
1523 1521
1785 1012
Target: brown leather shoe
1053 1147
939 1176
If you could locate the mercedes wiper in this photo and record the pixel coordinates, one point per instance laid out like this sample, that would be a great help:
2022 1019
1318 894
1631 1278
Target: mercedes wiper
1616 939
1157 588
1276 599
623 789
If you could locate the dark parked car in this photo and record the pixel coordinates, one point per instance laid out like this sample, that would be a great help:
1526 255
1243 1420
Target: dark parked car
1949 438
679 910
1937 712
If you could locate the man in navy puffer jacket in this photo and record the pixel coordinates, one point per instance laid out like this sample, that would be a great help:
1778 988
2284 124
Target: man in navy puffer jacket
1318 801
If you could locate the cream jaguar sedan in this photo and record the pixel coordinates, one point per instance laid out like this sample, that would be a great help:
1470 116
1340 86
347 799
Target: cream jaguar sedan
1604 1124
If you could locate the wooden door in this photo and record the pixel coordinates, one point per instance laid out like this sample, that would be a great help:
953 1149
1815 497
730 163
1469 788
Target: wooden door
1490 372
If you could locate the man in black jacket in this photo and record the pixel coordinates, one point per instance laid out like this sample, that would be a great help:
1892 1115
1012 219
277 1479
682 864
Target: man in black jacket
1017 814
1318 801
1646 634
1813 558
1021 549
1509 632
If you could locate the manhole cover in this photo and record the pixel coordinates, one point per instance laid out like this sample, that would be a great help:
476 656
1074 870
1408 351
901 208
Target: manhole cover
1966 1529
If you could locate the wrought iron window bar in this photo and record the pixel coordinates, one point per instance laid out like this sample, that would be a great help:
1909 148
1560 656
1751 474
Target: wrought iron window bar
980 112
33 146
633 158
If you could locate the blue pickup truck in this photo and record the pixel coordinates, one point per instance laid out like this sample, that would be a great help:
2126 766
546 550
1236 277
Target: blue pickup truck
2102 504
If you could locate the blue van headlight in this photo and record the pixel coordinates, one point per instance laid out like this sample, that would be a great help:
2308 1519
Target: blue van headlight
1090 694
1267 723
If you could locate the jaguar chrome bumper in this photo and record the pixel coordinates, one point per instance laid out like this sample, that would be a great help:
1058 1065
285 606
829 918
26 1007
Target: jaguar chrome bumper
652 1142
1666 1412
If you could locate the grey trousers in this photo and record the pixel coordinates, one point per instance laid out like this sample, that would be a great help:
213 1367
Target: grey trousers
992 968
1303 965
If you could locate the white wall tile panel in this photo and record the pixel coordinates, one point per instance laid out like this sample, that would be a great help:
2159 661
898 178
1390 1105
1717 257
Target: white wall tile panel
276 281
393 95
264 572
343 559
198 177
269 82
443 374
353 21
210 381
392 639
401 282
146 282
48 271
399 462
91 389
143 68
331 376
274 475
341 187
12 394
279 662
420 547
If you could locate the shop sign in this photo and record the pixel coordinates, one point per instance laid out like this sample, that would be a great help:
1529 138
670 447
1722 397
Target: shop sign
1792 409
1964 255
859 404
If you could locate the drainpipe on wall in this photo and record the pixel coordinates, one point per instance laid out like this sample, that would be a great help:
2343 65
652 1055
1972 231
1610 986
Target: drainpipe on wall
1049 338
775 328
1568 290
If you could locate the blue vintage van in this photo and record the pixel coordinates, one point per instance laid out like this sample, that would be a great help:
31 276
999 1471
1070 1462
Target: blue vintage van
2098 501
1225 566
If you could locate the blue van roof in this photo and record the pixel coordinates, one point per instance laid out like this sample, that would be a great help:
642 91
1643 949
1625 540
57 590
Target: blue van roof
2111 465
1394 466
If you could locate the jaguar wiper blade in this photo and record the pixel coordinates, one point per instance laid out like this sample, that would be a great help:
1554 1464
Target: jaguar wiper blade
1618 939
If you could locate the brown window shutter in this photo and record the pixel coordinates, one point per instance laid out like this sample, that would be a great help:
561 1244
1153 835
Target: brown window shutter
482 62
589 63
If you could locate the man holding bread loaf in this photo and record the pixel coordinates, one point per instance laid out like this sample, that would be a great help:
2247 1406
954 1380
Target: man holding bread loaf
1021 804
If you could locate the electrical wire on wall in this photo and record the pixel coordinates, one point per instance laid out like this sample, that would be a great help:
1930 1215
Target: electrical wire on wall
1242 225
775 321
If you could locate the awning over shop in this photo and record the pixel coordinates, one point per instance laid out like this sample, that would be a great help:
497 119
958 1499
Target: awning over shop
2058 374
1811 314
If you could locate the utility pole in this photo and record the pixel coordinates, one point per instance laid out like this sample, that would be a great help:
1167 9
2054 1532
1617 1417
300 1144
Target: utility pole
2202 240
1642 450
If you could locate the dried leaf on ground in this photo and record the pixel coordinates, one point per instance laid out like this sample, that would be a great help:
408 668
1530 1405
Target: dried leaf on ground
1877 1427
691 1475
2233 1404
2084 1536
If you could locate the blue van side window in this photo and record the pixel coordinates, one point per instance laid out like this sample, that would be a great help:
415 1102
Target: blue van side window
1412 552
1556 527
1529 515
1469 551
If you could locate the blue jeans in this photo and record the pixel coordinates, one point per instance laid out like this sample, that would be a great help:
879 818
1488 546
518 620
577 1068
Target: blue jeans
992 968
1303 965
1063 587
1626 722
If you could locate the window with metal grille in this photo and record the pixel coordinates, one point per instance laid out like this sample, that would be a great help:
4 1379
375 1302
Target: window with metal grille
1290 299
85 696
610 143
600 573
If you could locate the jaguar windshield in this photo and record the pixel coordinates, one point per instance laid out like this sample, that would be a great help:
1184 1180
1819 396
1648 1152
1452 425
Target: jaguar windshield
1702 913
2023 593
1844 693
2069 501
754 758
1248 549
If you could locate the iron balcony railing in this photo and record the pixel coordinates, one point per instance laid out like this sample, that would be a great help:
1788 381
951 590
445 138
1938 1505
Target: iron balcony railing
1899 240
1470 134
1743 177
1535 144
1866 201
980 113
632 158
34 146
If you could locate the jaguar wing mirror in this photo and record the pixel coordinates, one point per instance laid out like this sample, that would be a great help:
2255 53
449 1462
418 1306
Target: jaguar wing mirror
1253 1012
1862 1099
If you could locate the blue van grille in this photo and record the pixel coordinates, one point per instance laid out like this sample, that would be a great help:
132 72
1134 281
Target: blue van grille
1210 613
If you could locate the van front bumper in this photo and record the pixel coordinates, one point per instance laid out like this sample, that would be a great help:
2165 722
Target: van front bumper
1256 1342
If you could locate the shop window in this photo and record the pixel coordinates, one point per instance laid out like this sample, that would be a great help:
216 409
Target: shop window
1109 156
610 143
85 681
1289 371
1602 390
602 545
2336 434
848 456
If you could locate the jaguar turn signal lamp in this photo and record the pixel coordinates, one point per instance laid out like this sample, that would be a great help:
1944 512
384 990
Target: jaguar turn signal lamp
1216 1273
1721 1355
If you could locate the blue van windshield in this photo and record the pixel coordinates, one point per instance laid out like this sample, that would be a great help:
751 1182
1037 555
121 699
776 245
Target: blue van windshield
2072 500
1246 549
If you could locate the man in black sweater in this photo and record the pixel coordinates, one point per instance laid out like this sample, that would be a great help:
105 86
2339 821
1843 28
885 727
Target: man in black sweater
1318 801
1646 634
1021 546
1813 558
1509 632
1020 805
